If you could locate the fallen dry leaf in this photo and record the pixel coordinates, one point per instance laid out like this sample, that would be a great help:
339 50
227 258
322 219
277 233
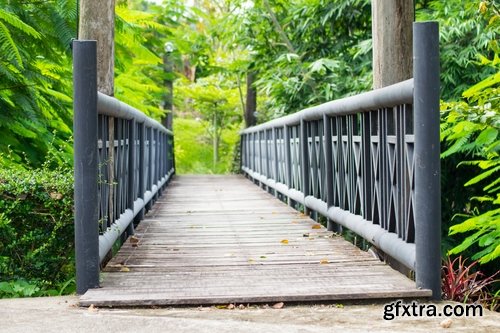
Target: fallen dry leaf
324 261
446 323
124 269
284 241
221 307
279 305
316 226
263 257
92 308
133 239
305 235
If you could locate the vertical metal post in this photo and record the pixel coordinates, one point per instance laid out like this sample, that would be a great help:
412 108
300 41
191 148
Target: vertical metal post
131 191
149 185
141 182
86 165
331 226
276 162
288 160
427 163
304 162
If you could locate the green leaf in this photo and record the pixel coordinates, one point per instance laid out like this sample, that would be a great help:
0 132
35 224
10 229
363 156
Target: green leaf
487 136
482 176
488 82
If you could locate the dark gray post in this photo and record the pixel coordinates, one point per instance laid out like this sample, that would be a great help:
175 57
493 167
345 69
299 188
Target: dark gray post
427 163
86 165
331 226
288 160
131 172
141 166
276 162
149 185
304 162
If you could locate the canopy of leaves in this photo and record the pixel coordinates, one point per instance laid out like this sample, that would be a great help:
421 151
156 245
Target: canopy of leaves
35 85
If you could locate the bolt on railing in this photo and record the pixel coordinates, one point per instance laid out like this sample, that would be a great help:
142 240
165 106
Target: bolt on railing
122 161
368 162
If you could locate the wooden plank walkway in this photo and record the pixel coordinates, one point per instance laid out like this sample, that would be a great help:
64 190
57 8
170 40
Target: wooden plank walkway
221 239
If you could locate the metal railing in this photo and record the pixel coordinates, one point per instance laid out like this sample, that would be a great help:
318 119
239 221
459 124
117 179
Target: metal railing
368 162
122 161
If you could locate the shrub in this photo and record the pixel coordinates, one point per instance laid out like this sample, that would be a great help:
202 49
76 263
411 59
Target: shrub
461 282
36 230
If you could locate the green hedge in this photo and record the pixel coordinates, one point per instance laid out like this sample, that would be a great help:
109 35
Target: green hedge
36 231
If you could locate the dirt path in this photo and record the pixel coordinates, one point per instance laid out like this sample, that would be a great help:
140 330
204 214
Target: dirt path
60 314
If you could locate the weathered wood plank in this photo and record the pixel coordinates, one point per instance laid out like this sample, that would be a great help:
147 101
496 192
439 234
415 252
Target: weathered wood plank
220 239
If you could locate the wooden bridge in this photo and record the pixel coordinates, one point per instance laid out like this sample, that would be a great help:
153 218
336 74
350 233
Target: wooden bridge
220 239
369 163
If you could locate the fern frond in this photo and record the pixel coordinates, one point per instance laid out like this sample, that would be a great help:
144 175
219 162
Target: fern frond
15 22
7 46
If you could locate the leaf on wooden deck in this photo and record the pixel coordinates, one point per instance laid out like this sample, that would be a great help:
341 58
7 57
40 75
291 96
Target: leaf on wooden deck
279 305
324 261
316 226
284 241
263 257
446 323
92 308
124 269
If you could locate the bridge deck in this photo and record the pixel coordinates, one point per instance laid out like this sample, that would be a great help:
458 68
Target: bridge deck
221 239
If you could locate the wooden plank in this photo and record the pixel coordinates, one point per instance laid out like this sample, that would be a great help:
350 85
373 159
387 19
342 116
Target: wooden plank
220 239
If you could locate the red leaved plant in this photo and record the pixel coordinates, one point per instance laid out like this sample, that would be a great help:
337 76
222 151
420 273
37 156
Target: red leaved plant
461 283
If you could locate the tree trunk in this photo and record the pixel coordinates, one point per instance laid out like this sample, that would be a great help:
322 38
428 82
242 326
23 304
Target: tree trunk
392 41
251 105
215 142
169 93
97 22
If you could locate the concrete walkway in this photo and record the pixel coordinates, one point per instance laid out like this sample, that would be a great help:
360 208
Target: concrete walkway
60 314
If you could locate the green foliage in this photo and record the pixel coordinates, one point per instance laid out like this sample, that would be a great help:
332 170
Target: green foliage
304 50
194 149
471 128
466 37
36 230
36 78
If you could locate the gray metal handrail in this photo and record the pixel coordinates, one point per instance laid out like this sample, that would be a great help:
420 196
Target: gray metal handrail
123 159
368 162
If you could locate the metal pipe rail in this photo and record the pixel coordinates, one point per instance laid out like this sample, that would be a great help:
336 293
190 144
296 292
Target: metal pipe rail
368 162
122 160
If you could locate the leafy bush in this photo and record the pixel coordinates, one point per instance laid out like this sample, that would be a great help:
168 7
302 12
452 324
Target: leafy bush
36 230
470 131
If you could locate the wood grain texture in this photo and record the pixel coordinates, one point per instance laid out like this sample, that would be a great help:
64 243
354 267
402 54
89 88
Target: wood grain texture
221 239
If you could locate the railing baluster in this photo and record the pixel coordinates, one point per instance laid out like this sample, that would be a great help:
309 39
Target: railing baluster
304 162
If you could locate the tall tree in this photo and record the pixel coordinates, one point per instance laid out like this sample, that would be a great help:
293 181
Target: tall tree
392 41
97 22
251 104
